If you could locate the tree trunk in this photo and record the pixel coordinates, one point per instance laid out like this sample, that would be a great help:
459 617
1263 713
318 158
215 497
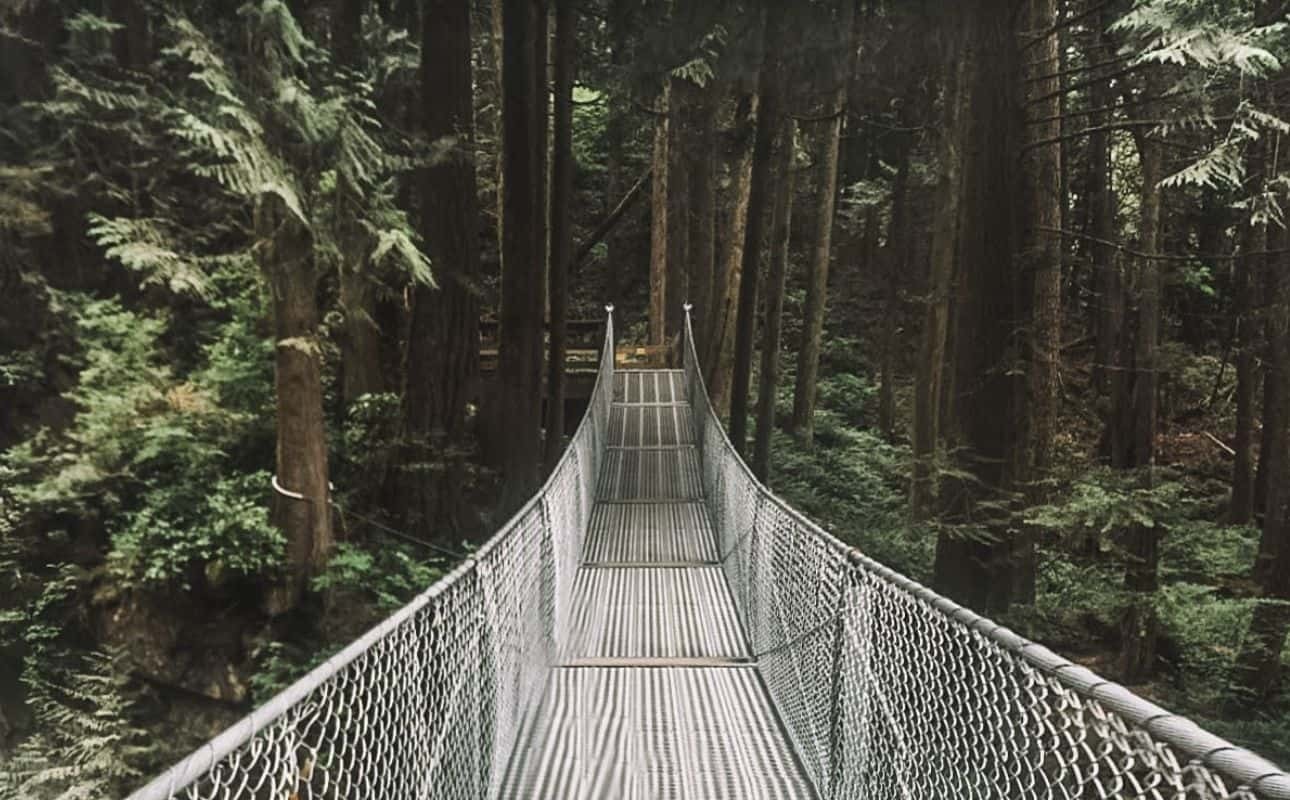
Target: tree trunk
1041 261
360 342
780 228
1041 249
1259 664
725 289
347 32
1140 628
944 235
973 562
768 88
701 158
361 354
658 240
285 253
561 224
895 262
542 148
519 368
1248 266
443 336
616 135
1273 407
808 354
1108 293
680 107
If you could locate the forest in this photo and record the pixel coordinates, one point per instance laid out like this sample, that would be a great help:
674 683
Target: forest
291 293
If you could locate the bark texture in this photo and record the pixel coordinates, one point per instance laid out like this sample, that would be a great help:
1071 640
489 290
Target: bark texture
443 334
973 562
1259 668
808 355
1140 626
561 226
519 370
768 112
781 224
285 254
931 356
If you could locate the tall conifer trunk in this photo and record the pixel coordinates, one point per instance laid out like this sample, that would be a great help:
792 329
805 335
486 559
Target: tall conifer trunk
973 562
518 395
561 225
659 219
780 228
1259 668
808 354
360 341
944 235
1140 626
725 285
443 334
768 112
302 509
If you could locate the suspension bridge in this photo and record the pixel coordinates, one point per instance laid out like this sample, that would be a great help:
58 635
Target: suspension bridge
655 623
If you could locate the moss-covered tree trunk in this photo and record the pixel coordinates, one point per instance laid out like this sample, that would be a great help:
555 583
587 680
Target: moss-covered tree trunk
929 370
659 220
360 341
701 155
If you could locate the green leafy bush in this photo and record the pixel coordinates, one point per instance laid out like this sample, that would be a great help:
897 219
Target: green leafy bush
388 575
225 530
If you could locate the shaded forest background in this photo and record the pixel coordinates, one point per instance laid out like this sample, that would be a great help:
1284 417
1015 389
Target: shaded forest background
995 291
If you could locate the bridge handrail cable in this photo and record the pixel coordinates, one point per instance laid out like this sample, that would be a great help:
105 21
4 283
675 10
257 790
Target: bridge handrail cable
431 699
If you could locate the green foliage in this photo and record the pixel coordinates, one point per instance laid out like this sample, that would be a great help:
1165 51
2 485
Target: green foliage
1103 501
369 436
389 575
1208 44
1206 630
1073 598
226 530
147 452
86 746
278 665
852 481
1193 382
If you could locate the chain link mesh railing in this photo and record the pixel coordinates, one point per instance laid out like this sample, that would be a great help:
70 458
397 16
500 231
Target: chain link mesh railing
890 691
427 704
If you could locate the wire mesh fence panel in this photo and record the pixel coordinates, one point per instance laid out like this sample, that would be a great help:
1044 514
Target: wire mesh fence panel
429 703
889 690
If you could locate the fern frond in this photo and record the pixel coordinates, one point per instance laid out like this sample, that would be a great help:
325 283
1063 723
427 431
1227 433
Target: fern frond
396 247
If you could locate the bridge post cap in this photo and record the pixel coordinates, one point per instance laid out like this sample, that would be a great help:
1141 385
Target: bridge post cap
687 307
609 308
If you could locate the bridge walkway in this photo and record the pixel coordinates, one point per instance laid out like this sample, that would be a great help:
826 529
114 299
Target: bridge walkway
656 693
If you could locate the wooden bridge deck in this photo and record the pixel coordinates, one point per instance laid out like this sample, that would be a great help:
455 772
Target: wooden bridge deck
657 694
